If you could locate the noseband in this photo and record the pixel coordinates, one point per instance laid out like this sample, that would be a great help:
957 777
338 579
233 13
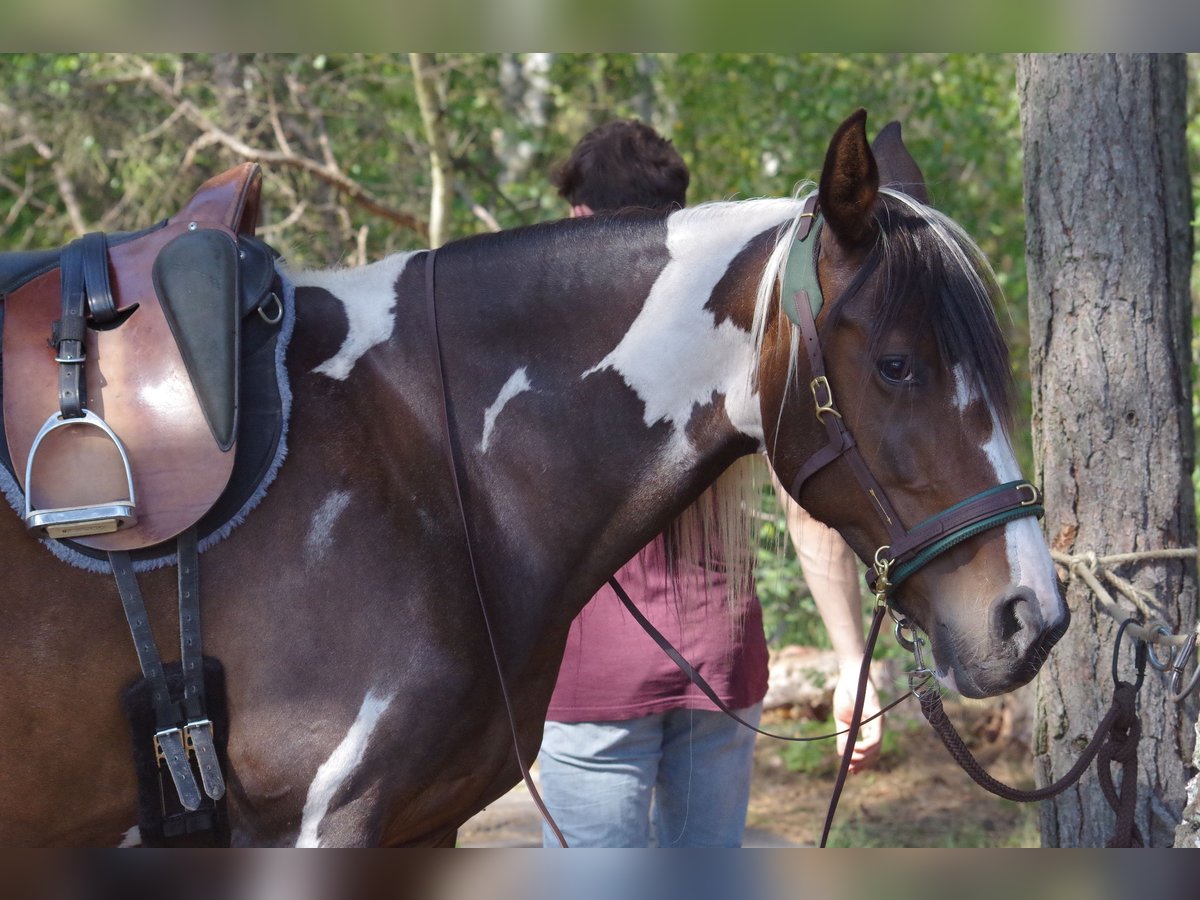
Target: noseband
907 550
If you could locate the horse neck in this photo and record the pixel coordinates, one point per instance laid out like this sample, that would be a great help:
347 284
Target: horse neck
601 376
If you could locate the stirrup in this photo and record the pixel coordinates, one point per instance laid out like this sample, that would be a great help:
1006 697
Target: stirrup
79 521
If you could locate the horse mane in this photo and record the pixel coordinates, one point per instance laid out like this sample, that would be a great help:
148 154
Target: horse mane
919 246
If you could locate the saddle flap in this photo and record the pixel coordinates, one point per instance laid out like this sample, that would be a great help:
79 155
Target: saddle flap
196 278
229 199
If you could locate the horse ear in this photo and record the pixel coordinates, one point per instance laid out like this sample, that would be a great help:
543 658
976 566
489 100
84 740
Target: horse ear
897 168
850 183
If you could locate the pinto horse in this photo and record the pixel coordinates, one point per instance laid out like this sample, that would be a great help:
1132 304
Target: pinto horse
600 373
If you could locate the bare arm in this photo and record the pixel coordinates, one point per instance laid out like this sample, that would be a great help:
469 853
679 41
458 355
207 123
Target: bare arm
831 571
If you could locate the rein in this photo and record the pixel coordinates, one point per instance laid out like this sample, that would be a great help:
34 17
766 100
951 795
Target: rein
452 462
908 550
1115 741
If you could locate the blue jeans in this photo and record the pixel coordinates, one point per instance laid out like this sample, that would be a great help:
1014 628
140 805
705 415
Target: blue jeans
675 779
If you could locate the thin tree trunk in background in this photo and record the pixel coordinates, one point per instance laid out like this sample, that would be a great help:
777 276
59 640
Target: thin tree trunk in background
441 175
1109 249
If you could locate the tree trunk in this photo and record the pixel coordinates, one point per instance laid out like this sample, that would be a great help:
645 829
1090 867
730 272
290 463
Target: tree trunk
441 173
1108 212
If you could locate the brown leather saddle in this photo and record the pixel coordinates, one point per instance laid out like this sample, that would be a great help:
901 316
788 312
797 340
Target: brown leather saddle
121 368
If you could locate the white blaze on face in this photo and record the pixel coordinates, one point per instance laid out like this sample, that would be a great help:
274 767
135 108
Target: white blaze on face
675 355
1028 556
368 295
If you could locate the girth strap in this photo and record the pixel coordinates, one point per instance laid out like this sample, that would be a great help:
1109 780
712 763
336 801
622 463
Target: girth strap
181 726
198 730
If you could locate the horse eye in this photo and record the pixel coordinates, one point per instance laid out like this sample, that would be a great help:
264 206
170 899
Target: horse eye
896 369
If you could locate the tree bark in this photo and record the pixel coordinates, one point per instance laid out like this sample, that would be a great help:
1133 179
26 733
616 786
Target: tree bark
1109 249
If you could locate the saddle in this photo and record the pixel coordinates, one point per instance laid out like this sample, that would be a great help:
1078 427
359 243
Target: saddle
120 378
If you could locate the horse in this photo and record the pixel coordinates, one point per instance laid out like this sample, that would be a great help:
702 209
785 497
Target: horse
599 375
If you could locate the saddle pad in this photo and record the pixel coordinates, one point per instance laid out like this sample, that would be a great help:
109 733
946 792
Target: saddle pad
264 405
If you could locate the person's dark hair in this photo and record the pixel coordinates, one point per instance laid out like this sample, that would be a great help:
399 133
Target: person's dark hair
624 163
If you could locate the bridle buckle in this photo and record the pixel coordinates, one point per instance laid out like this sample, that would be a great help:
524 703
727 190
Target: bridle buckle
823 405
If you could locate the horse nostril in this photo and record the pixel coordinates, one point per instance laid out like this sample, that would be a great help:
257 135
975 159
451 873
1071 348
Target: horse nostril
1007 623
1017 613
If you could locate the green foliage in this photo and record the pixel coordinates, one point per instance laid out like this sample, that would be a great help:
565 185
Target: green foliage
819 758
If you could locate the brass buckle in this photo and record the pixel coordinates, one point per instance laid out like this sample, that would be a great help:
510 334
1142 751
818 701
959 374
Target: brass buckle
881 568
825 406
1033 493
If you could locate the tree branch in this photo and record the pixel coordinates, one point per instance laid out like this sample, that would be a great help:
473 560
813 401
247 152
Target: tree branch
330 174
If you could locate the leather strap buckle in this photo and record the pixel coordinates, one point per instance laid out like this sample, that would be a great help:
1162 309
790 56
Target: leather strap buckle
198 740
817 386
169 748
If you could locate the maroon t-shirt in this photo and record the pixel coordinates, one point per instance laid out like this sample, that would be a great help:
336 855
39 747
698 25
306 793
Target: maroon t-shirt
613 670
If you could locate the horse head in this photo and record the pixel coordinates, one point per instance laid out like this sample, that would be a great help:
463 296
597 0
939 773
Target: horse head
917 372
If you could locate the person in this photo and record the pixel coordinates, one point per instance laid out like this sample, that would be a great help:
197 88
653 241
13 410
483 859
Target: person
633 754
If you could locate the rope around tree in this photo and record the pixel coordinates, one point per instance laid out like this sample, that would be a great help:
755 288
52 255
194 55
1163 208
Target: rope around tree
1090 568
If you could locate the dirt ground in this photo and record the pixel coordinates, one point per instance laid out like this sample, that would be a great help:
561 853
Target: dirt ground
915 797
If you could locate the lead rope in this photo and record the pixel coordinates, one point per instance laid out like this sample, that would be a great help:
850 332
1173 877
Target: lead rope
431 307
1115 740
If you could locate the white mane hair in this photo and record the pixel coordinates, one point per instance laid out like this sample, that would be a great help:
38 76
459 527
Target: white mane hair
719 531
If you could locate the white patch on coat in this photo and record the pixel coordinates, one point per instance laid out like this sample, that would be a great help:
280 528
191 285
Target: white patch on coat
336 770
1028 556
518 383
675 356
131 838
368 295
316 542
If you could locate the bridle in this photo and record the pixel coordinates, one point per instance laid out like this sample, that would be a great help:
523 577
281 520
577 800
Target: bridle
907 550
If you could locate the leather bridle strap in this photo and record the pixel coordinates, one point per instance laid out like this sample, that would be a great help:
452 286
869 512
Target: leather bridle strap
907 550
856 719
840 441
452 462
